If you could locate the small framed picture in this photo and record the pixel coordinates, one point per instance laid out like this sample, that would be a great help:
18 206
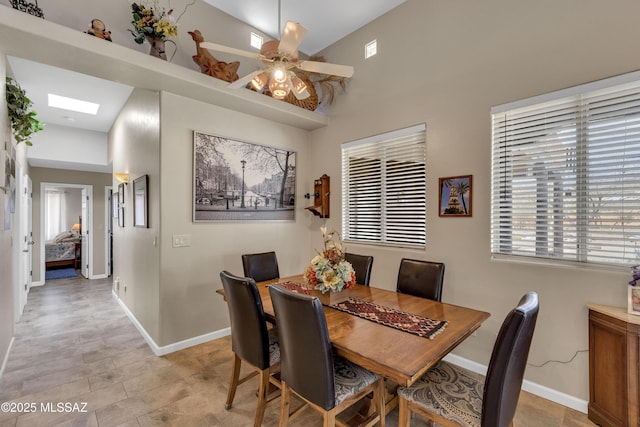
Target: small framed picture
121 217
120 194
633 300
455 195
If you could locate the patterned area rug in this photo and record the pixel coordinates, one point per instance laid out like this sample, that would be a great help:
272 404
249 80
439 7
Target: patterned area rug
412 323
61 273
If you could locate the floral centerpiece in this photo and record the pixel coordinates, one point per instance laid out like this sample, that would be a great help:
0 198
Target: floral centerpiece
328 271
152 22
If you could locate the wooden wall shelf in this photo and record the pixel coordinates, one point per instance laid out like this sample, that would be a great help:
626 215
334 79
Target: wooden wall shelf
321 193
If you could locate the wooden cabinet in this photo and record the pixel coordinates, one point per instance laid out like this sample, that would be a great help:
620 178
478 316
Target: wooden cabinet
614 341
321 192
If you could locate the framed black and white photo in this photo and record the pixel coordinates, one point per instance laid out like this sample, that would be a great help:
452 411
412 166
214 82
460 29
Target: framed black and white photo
235 180
141 202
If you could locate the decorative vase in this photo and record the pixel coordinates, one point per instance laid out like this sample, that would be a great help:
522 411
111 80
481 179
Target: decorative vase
331 297
157 48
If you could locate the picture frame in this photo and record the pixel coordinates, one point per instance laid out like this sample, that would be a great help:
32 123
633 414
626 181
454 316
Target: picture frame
121 217
120 194
141 202
239 181
633 300
450 203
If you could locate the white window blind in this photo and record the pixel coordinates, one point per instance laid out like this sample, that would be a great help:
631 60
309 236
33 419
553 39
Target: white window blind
566 175
383 188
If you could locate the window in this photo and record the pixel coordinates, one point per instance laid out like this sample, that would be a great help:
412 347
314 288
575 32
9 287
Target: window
383 189
566 174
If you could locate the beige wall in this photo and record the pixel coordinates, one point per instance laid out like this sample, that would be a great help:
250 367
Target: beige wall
171 291
446 64
189 276
6 247
134 142
98 181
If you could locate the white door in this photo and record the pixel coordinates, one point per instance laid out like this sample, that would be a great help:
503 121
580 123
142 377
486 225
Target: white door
86 226
26 241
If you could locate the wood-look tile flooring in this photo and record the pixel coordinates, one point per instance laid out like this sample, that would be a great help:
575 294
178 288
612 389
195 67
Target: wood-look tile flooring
74 345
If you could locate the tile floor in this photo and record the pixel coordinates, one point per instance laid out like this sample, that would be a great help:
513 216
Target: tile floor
75 346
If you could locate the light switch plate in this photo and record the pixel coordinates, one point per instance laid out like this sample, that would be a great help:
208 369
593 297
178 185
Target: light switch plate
181 240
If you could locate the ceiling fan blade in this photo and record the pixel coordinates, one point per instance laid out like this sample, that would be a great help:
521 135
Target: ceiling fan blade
292 37
243 81
231 50
325 68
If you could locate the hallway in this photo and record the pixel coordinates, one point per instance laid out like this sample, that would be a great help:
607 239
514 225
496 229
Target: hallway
77 360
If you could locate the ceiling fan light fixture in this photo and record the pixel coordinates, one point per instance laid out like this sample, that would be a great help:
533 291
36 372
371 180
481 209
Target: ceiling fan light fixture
260 81
279 73
299 87
279 89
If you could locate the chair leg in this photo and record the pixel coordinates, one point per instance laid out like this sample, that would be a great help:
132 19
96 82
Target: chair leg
263 394
235 375
285 404
403 413
379 399
330 418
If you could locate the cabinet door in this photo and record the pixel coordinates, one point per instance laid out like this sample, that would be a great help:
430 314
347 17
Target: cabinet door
607 372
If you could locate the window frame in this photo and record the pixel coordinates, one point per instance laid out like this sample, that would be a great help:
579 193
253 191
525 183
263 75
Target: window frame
397 223
583 99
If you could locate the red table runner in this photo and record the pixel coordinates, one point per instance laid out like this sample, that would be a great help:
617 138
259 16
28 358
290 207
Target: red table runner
388 316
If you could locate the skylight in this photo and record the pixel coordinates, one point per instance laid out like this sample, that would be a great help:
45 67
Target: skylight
371 49
256 40
73 104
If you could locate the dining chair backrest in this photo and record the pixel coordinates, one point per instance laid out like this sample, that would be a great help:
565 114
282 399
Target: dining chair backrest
421 278
261 266
361 265
305 348
508 362
249 336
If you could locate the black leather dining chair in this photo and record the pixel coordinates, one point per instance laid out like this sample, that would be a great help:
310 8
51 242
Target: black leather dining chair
421 278
310 369
451 395
251 340
361 265
261 266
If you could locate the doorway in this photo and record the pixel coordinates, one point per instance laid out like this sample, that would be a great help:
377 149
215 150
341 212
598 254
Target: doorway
65 212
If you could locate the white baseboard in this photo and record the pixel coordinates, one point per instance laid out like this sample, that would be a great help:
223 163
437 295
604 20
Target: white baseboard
40 283
534 388
180 345
99 276
6 357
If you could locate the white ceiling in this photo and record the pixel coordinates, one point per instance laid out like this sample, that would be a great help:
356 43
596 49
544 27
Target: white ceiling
327 21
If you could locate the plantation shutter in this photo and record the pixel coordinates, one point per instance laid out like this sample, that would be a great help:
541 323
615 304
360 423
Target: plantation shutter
566 174
383 188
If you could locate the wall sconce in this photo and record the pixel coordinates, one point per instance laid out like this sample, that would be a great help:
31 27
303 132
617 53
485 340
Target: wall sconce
122 177
76 227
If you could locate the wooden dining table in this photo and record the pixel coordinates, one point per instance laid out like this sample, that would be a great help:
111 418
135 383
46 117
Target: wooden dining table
395 354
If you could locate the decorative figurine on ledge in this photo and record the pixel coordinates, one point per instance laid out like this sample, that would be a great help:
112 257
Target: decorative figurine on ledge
210 65
99 30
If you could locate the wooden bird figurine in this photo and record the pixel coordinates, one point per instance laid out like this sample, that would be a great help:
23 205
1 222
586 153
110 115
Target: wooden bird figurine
210 65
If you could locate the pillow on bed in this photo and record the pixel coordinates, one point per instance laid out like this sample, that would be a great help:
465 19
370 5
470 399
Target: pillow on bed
67 236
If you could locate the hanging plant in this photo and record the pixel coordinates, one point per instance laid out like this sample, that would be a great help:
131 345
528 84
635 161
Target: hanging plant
23 119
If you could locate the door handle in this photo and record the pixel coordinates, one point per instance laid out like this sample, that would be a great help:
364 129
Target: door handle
31 243
25 250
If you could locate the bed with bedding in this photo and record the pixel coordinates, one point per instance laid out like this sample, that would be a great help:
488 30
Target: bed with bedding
63 250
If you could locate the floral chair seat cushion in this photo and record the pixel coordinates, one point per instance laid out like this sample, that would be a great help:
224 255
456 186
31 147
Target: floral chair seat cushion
274 347
450 391
350 378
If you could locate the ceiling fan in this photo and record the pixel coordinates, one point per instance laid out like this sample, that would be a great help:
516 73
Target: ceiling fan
280 58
